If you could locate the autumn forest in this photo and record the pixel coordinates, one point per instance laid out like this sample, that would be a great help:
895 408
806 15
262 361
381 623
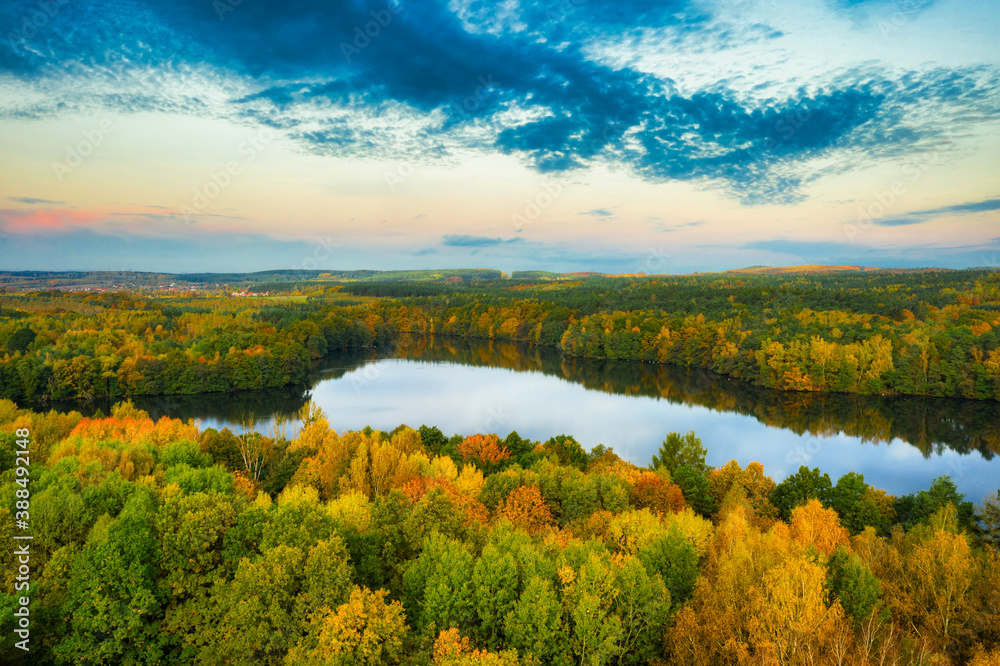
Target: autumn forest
159 541
914 333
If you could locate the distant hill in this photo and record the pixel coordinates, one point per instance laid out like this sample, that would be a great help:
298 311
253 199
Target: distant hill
261 280
359 281
821 268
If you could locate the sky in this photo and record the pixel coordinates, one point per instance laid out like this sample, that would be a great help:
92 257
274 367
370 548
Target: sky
628 136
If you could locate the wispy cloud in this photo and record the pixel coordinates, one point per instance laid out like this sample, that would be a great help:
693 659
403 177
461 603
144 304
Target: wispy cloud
944 255
462 240
597 212
667 227
32 201
921 216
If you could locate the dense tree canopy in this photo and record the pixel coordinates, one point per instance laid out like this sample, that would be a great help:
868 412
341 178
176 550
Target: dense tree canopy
156 542
919 333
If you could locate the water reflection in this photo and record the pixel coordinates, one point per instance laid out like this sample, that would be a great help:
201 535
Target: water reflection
932 425
900 443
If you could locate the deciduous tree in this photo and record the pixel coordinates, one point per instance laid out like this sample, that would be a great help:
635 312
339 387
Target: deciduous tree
678 450
363 631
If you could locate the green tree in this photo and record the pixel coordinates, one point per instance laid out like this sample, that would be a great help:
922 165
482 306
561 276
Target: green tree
534 626
857 505
678 450
438 589
495 590
675 560
20 340
191 529
113 591
919 507
184 451
193 480
326 579
696 489
799 488
568 451
299 520
849 490
850 581
643 608
435 512
988 517
590 596
521 450
254 619
435 442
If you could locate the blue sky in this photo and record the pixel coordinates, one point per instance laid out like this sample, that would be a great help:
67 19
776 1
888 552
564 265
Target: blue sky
633 136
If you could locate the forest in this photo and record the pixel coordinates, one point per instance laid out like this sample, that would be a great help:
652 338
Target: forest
877 333
157 542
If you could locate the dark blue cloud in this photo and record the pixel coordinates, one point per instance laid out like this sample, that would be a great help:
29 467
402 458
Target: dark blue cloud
324 66
921 216
972 207
626 13
903 221
463 240
69 33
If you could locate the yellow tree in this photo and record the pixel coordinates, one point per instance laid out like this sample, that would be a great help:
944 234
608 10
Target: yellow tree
363 631
357 478
712 628
311 413
822 354
484 450
814 525
985 625
789 621
930 574
983 658
750 486
452 649
328 470
525 507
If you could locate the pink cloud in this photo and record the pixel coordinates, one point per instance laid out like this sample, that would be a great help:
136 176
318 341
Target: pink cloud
46 221
163 223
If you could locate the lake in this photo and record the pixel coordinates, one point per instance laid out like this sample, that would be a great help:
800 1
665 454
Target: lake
899 443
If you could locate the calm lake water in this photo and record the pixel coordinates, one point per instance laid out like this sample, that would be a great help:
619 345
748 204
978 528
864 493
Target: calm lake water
899 443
